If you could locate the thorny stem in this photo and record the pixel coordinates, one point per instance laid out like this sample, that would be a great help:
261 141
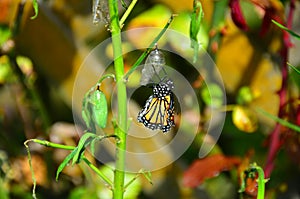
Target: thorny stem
275 142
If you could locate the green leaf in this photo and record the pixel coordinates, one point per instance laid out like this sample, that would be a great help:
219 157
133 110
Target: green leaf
147 175
245 95
86 112
281 121
65 162
83 142
295 69
5 34
212 95
36 8
195 25
286 29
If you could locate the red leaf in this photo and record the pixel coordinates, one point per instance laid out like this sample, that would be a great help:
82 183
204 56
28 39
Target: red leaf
208 167
237 15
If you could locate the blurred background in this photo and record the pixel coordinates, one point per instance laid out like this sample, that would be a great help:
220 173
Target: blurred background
40 60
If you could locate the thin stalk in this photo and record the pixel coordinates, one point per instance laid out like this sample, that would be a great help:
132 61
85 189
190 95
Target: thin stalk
49 144
96 170
151 46
261 183
216 25
121 130
127 12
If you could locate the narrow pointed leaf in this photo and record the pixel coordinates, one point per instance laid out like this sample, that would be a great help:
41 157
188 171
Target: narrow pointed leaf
65 162
81 146
286 29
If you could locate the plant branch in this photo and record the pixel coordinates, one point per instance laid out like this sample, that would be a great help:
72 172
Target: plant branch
96 170
151 46
127 12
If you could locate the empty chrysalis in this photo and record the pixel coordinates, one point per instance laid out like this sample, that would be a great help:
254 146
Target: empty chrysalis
153 65
101 12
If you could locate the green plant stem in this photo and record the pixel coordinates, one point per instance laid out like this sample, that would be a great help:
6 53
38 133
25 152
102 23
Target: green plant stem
105 77
121 130
96 170
261 183
31 169
49 144
280 121
151 46
217 23
293 67
127 12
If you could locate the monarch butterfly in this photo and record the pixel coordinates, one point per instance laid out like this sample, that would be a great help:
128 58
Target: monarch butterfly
158 112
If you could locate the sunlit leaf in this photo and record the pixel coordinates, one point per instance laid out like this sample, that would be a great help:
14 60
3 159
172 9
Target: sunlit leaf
208 167
83 192
244 119
130 193
36 8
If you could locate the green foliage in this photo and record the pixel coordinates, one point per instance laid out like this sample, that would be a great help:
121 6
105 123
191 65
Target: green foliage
244 96
196 19
294 68
212 95
281 121
83 142
130 179
5 34
286 29
65 162
6 74
36 8
251 173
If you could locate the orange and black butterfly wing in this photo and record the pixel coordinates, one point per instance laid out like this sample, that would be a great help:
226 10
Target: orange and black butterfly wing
158 113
